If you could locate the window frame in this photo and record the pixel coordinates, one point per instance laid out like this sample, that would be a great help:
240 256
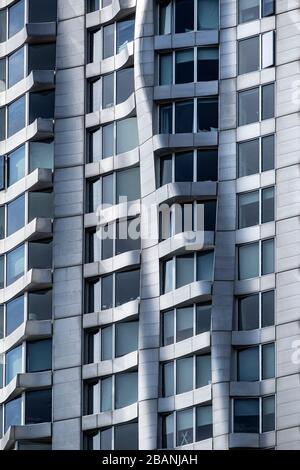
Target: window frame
260 16
260 192
260 103
260 257
260 411
260 140
260 307
260 364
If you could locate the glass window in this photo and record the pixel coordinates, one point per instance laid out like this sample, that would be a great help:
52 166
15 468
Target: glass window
268 414
107 140
267 257
248 312
106 394
208 118
165 170
268 101
107 191
249 261
14 314
248 50
205 266
268 7
203 318
40 255
184 427
41 105
268 152
1 337
126 338
3 25
106 343
128 185
208 14
168 276
38 407
96 95
108 41
248 106
167 371
127 135
126 389
41 56
165 119
13 361
39 355
184 117
1 272
248 154
267 205
15 215
184 375
248 364
204 428
126 436
16 67
108 89
203 370
41 15
16 116
246 415
107 239
96 45
168 431
15 264
184 66
268 361
2 222
184 166
184 323
184 270
12 413
168 328
128 235
16 165
106 292
2 70
267 305
210 215
125 84
2 123
207 64
207 165
184 16
95 147
248 209
94 298
16 18
41 155
40 305
165 18
166 69
127 286
125 33
40 205
248 10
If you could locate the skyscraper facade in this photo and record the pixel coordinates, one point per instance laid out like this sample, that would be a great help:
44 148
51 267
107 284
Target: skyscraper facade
149 224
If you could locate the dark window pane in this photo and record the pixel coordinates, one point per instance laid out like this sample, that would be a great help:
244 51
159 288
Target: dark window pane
208 119
125 33
203 370
40 15
41 57
184 423
248 55
205 266
184 66
165 17
1 337
184 375
184 270
184 323
184 117
41 105
93 5
165 119
126 338
2 222
128 236
167 321
210 215
203 318
107 192
268 103
248 106
14 314
38 407
207 64
16 165
126 389
248 313
15 215
95 150
268 414
267 257
16 67
13 361
246 415
204 427
41 155
16 116
40 255
165 69
248 10
39 355
128 185
184 166
107 140
2 70
106 439
15 264
2 124
40 205
267 205
94 301
268 361
126 436
267 305
107 238
268 7
125 84
3 27
106 292
106 343
207 165
165 170
248 261
248 205
127 286
107 91
40 305
184 16
268 151
248 364
16 18
1 272
248 154
105 394
108 41
12 413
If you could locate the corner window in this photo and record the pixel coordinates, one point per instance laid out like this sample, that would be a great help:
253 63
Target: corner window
41 105
41 56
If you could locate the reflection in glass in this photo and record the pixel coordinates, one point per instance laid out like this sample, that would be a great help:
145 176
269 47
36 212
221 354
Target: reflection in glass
16 67
15 264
